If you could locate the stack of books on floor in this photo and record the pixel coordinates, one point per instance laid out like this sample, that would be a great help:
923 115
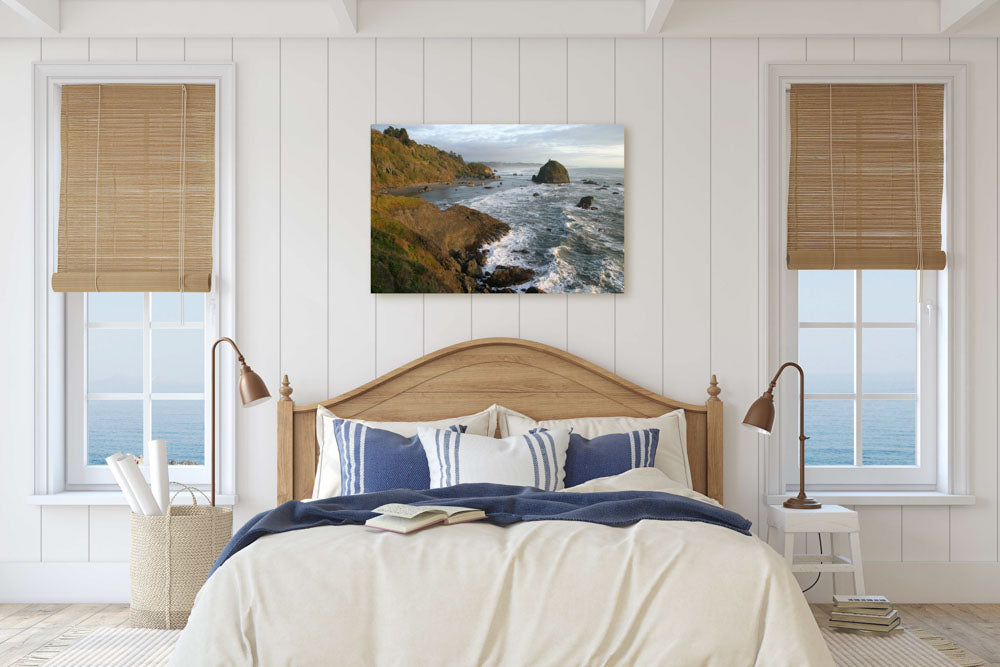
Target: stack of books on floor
864 613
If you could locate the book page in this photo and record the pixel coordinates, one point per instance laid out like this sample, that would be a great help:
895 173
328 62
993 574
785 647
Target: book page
406 511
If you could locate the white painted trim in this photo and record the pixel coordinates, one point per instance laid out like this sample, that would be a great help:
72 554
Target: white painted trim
50 339
931 583
952 451
346 12
656 12
883 498
114 498
43 14
957 14
64 582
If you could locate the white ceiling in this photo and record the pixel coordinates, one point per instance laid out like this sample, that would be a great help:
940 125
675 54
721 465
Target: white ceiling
485 18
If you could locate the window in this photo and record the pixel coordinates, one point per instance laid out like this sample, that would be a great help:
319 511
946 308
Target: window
867 341
882 347
137 367
116 368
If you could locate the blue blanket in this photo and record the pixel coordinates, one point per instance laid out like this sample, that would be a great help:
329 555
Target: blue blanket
503 505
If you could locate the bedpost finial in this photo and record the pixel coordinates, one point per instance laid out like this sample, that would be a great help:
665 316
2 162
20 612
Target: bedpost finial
714 389
286 389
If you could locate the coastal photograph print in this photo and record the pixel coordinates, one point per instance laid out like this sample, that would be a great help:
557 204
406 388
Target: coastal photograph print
513 209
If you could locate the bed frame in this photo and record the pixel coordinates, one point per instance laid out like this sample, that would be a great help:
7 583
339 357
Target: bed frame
537 380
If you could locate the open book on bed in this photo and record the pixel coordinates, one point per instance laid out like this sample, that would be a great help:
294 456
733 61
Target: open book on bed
402 518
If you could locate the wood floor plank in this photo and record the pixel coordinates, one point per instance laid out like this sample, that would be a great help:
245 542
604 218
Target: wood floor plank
30 614
112 616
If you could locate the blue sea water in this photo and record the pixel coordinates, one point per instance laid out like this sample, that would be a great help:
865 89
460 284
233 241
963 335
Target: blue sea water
571 249
116 426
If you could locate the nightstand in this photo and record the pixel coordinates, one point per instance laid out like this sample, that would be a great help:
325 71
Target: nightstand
827 519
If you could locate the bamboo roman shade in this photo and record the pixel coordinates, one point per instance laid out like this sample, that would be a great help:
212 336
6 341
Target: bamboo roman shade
866 176
137 193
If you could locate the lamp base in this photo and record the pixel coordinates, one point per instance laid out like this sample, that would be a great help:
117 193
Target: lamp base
802 504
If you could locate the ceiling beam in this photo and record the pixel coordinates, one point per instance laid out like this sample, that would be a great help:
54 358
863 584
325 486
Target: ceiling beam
347 14
957 14
656 15
42 13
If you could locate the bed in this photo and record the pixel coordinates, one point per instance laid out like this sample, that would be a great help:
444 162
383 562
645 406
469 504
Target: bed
545 592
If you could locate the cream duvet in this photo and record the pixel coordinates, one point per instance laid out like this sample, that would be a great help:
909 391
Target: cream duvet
540 593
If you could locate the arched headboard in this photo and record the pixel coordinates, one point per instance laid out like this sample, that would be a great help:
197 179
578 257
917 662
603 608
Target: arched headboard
540 381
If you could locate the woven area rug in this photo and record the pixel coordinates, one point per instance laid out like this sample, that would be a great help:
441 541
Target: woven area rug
101 647
915 648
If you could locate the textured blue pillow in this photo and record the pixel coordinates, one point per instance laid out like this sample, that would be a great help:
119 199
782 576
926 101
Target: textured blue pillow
372 459
610 454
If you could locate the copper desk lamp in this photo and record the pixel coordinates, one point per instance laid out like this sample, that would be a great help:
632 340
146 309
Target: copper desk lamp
760 417
252 391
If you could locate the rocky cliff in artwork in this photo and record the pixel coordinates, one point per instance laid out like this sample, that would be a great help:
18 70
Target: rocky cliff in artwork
551 172
397 161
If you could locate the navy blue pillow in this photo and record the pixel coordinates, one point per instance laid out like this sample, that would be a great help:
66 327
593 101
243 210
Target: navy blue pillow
373 459
610 454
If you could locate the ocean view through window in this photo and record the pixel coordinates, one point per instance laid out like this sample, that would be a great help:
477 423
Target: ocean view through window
858 341
145 374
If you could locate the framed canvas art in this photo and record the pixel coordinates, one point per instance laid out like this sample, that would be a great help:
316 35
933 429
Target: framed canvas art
498 209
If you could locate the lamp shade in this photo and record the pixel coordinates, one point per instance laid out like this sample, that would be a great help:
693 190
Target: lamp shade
760 416
252 388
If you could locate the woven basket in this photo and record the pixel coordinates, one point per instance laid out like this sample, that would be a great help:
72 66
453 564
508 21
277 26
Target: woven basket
170 559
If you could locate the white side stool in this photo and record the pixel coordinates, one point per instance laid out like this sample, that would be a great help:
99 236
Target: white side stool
827 519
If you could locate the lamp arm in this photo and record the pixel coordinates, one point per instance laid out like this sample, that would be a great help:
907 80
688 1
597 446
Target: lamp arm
238 353
241 360
802 422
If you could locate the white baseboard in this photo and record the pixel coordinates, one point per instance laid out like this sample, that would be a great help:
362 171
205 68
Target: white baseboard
938 582
64 582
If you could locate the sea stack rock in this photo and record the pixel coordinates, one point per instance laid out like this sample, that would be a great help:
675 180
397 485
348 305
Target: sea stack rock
551 172
585 202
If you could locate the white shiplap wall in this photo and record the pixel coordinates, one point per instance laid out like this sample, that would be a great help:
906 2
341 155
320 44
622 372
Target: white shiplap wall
691 108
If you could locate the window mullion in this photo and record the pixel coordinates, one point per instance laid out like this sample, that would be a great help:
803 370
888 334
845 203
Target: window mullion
858 388
147 374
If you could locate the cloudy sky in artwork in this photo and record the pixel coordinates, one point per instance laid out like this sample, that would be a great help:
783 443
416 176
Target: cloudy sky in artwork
573 145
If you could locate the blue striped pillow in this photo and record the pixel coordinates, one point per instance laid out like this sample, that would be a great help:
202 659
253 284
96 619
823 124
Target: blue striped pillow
610 454
372 459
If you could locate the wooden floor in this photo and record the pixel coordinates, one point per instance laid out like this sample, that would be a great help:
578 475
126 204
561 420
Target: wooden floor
974 627
26 627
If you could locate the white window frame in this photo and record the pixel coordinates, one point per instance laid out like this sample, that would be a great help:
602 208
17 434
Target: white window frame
54 311
942 311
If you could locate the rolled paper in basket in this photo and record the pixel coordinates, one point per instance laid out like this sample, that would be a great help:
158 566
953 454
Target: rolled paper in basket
147 503
158 474
112 462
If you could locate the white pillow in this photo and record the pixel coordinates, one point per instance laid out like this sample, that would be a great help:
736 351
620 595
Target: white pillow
639 479
535 459
327 482
671 452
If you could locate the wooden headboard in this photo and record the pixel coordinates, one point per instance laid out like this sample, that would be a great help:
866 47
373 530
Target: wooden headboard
537 380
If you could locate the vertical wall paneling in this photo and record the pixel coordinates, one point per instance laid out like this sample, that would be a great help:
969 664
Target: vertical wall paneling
447 99
639 312
543 100
878 49
495 99
258 243
770 51
155 49
64 50
113 49
687 199
399 100
590 90
208 49
19 523
830 49
974 529
109 533
64 533
352 305
304 240
881 532
924 534
926 49
735 236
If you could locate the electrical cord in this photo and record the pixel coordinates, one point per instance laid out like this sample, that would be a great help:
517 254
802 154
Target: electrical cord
818 574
